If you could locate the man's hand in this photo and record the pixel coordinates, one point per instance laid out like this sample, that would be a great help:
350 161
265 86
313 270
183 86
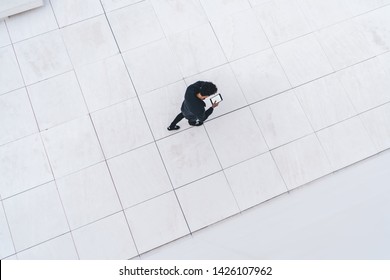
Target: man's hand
215 104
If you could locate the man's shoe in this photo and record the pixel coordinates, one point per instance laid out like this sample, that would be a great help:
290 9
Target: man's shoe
176 127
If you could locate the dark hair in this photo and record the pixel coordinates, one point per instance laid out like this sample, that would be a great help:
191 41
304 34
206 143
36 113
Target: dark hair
208 89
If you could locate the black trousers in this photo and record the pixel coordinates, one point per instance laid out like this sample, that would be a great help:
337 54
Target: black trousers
180 116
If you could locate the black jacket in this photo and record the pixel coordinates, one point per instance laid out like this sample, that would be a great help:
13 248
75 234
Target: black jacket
193 108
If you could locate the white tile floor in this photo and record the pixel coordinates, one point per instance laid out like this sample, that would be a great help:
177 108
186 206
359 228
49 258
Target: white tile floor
57 100
33 23
42 57
87 88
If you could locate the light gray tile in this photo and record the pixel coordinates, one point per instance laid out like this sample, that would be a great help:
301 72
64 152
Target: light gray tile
260 76
11 77
24 165
152 66
121 127
72 146
161 106
282 20
207 201
135 25
110 5
71 11
88 195
57 100
139 175
281 119
89 41
377 25
377 123
223 77
301 161
35 216
255 3
255 180
357 39
240 34
60 248
195 57
31 23
345 44
323 13
346 143
176 15
105 83
156 222
236 137
4 37
188 156
16 116
107 239
303 60
384 60
42 57
221 8
6 244
325 102
367 84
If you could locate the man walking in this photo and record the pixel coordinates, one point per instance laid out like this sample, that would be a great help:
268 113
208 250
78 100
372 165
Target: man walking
193 107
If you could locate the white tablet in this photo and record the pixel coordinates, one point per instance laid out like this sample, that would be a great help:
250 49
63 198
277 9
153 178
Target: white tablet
216 98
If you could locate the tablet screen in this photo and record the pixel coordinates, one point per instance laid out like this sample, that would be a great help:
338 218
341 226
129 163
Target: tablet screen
217 98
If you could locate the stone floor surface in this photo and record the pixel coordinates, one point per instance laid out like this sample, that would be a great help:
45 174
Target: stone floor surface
87 89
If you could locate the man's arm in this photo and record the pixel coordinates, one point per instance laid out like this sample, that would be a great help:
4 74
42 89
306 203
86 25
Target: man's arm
208 112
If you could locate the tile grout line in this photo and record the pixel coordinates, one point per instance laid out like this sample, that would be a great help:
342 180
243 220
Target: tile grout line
314 32
155 141
56 29
105 160
355 114
222 169
245 98
94 128
9 229
43 145
374 145
68 174
43 242
319 42
268 200
315 132
359 114
150 130
250 105
58 193
317 30
245 106
174 190
270 150
55 17
274 52
212 68
212 223
48 158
